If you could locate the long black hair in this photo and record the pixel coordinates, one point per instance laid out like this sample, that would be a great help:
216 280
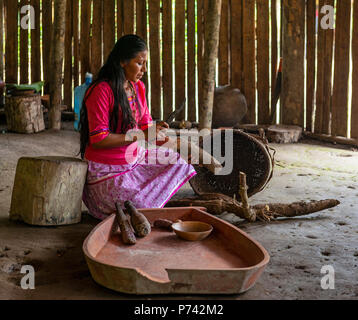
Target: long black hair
126 48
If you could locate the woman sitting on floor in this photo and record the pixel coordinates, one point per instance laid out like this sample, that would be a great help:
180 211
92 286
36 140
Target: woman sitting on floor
120 170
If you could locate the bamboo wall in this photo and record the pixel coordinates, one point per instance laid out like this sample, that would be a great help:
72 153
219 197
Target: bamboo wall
316 62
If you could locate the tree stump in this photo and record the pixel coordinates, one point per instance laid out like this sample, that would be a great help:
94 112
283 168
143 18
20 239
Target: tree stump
24 113
284 133
48 190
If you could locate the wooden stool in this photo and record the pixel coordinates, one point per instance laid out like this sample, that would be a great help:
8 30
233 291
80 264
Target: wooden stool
48 190
24 113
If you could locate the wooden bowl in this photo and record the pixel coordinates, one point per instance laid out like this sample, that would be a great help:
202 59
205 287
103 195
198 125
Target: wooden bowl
192 230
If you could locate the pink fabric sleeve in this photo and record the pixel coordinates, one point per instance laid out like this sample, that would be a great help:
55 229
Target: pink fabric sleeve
99 104
146 118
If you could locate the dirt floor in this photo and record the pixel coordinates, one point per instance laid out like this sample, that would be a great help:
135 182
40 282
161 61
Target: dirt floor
298 247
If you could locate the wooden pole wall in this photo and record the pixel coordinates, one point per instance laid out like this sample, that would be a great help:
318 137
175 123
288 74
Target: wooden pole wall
292 110
248 52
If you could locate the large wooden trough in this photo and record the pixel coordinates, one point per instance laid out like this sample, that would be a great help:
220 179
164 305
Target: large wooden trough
228 261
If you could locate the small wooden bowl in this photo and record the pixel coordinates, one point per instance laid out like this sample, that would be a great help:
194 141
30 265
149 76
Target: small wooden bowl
192 230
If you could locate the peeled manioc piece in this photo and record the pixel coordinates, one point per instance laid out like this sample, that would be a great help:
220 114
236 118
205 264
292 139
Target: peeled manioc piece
139 222
128 236
163 224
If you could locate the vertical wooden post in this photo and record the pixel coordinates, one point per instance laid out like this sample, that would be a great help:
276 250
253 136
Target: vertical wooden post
191 83
24 48
179 56
46 41
141 30
96 40
212 24
200 54
119 18
167 59
274 47
35 44
292 111
354 113
56 60
341 69
2 39
248 66
85 37
67 84
224 45
155 79
236 44
128 16
11 41
311 60
108 27
76 42
327 87
263 61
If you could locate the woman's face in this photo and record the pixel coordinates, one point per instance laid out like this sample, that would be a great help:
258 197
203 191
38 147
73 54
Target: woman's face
135 68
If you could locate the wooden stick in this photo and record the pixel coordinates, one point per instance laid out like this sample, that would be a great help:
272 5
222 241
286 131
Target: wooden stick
332 139
248 213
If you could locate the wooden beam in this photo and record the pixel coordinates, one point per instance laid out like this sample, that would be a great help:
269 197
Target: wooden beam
292 112
11 43
24 48
128 16
224 45
179 56
155 79
248 67
191 62
354 113
274 47
311 61
327 86
167 59
35 44
341 69
76 42
263 61
96 39
119 18
141 29
200 54
108 27
236 51
2 39
67 85
329 138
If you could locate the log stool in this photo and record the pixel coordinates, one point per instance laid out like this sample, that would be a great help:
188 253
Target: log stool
24 113
48 190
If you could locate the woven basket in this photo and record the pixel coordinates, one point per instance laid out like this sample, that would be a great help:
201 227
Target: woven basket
251 155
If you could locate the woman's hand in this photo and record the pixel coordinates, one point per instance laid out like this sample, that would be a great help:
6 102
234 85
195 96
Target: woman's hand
159 133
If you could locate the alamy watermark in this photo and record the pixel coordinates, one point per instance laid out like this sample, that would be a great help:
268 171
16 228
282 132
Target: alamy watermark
327 281
28 281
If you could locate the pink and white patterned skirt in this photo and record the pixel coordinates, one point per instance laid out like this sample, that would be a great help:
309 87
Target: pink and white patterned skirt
148 183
